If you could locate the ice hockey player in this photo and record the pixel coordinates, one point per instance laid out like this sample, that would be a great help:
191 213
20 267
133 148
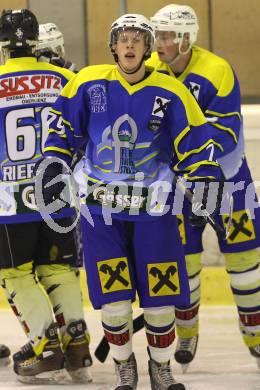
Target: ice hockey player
214 85
50 47
32 255
134 120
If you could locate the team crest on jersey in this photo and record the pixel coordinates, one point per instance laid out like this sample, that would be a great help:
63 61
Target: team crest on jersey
98 99
163 279
124 135
194 89
114 275
160 106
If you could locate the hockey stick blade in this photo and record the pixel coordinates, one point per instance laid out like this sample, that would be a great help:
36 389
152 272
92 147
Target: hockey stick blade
102 350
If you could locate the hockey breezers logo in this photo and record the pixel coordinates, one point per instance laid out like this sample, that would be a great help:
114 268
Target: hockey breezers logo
164 279
240 228
114 274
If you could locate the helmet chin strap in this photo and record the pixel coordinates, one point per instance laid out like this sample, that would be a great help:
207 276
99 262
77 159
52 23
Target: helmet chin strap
181 53
131 71
174 60
136 68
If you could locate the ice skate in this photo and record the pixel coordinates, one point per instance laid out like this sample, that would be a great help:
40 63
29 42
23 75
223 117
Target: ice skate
186 351
126 373
255 351
47 368
77 355
4 355
161 377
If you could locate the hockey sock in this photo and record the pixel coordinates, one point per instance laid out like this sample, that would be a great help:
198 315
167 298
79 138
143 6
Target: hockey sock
159 325
117 323
243 269
31 303
187 318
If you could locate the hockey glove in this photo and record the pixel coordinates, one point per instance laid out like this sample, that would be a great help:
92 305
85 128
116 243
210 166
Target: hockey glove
55 59
206 201
50 172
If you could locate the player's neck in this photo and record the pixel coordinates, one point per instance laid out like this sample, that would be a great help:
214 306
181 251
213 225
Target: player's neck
181 64
135 77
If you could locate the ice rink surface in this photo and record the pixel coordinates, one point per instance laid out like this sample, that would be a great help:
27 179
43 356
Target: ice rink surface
222 361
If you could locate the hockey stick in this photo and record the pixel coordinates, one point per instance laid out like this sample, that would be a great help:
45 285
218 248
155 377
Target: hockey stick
102 350
222 232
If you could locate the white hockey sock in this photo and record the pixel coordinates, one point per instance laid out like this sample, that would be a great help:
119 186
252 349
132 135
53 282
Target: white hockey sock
117 323
159 325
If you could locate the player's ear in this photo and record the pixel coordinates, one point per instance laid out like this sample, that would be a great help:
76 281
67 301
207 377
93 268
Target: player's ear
114 48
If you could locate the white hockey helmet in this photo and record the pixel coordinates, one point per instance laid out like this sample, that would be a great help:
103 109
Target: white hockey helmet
135 22
51 38
178 18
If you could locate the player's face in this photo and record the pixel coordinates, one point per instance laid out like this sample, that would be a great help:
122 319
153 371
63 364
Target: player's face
166 47
130 48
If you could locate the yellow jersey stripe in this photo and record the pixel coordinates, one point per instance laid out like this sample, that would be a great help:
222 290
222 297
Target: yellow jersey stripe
56 149
149 157
227 129
102 169
220 115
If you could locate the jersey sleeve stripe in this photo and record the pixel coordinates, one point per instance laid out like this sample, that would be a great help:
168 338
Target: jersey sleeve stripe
227 129
220 115
193 167
59 150
178 140
57 132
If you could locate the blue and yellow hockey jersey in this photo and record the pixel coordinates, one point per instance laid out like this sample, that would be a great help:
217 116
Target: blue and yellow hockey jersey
214 85
132 134
27 91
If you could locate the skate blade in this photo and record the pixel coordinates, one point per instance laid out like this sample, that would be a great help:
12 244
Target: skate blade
81 375
5 362
184 368
46 378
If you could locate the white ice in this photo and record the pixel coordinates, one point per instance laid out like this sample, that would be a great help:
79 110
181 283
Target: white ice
222 362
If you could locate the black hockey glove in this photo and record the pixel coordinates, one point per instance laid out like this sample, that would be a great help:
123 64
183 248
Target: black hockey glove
206 200
49 172
54 59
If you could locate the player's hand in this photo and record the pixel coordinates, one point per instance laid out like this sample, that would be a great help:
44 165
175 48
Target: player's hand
52 192
49 172
202 206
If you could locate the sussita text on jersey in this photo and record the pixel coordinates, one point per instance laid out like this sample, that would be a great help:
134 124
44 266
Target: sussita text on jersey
17 85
